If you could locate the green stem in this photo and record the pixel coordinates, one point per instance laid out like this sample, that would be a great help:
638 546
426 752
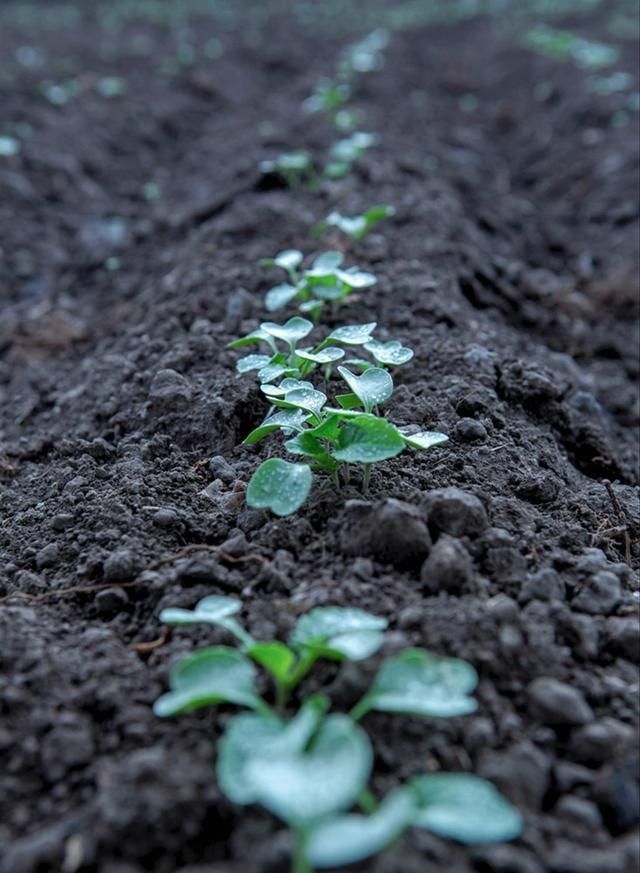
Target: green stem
361 708
367 801
365 478
299 862
301 669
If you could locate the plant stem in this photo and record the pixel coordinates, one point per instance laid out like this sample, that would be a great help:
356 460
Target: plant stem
299 862
365 478
367 801
360 709
303 666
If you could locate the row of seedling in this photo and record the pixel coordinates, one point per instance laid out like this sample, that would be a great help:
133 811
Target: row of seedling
325 389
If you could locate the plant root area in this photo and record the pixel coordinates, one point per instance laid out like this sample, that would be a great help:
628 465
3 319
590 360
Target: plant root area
133 215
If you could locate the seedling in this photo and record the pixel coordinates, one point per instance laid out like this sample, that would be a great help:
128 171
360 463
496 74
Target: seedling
295 169
365 56
328 97
325 281
355 227
344 153
312 769
289 362
564 45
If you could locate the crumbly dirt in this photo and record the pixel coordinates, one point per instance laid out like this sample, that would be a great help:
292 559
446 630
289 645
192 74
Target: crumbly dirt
511 269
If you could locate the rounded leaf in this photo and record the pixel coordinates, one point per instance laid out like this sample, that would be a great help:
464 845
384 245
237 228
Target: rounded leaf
291 331
353 334
373 387
252 362
464 808
288 259
425 439
214 675
416 682
285 419
326 262
325 356
350 838
392 353
279 296
211 609
355 278
325 778
339 633
367 439
303 398
279 486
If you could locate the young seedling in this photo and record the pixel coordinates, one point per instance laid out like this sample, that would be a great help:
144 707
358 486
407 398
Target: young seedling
312 769
365 56
355 227
329 97
331 438
344 153
295 169
294 364
325 281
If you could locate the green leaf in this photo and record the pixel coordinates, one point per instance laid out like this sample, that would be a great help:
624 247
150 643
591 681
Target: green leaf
286 419
329 291
252 362
336 764
211 609
291 331
254 736
325 356
279 486
350 838
214 675
373 387
339 633
256 336
353 334
325 263
377 213
287 384
279 296
355 278
312 308
464 808
367 439
425 439
274 371
328 430
302 398
392 353
306 444
416 682
348 401
275 657
288 259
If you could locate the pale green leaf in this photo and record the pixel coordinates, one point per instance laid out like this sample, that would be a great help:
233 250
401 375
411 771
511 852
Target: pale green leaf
279 486
373 387
367 439
339 633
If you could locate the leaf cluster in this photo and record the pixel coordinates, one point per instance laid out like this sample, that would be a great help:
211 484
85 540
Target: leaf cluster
268 760
355 227
325 281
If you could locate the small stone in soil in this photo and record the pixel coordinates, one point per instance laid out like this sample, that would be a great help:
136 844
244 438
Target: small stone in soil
558 704
454 511
111 601
599 595
448 567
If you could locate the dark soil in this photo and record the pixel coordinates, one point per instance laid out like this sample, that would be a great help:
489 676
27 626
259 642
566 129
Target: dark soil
510 267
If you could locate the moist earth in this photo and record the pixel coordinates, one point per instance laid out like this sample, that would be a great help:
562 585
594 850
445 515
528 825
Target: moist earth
131 228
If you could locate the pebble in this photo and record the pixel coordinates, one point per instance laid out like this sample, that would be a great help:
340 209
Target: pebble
556 703
601 741
454 511
448 567
578 810
391 531
111 601
166 517
120 566
62 521
47 556
171 390
522 772
623 637
236 545
599 595
544 585
469 430
221 469
503 608
569 775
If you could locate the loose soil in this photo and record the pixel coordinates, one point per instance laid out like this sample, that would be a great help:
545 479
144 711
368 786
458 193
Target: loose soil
511 269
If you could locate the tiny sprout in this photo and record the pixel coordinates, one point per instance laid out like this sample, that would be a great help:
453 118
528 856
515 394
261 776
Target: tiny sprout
357 226
328 97
9 146
295 169
325 281
345 152
270 760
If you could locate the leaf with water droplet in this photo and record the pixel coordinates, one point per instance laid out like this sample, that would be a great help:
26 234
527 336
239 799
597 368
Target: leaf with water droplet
373 387
279 296
291 331
339 633
392 354
367 439
252 362
286 420
279 486
353 334
424 439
